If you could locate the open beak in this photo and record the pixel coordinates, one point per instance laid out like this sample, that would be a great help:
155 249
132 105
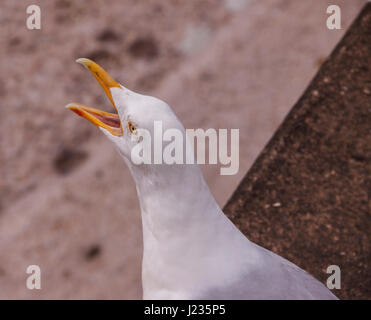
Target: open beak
109 121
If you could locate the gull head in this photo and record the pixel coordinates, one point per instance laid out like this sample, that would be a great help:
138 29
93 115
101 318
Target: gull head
135 113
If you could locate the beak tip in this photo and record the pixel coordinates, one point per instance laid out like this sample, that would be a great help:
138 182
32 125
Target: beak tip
84 61
70 106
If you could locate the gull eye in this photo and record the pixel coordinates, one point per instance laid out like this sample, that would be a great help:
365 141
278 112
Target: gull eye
132 128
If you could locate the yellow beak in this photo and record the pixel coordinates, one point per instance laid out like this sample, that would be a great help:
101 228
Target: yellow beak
106 120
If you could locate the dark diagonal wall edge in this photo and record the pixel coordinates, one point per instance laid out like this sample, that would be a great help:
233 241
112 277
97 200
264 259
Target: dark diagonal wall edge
307 196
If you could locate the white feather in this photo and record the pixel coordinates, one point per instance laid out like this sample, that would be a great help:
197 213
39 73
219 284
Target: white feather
191 249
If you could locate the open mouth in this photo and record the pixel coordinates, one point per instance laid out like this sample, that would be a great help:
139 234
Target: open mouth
109 121
106 120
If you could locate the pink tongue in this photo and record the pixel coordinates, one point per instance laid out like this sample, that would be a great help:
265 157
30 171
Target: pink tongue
111 121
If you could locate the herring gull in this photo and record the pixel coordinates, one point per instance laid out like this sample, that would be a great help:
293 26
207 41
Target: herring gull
191 249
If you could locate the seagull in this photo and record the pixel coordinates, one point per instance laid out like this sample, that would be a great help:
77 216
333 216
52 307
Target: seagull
191 250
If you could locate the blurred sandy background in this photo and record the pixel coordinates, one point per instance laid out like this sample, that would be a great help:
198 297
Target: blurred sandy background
67 201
